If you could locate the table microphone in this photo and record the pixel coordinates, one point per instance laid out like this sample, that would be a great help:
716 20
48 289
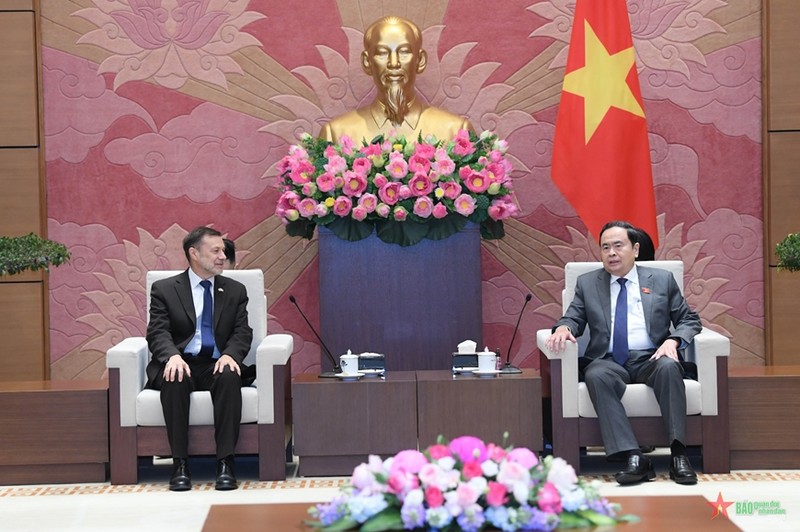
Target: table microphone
508 369
334 362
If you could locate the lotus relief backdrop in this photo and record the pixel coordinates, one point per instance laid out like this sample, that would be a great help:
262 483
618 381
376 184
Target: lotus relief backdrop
164 114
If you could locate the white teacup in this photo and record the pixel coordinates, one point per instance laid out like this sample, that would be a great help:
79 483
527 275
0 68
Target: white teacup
487 361
349 363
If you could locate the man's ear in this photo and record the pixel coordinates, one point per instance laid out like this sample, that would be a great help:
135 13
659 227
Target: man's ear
365 62
423 61
636 250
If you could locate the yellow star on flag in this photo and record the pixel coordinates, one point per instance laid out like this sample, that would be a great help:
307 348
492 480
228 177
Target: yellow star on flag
601 82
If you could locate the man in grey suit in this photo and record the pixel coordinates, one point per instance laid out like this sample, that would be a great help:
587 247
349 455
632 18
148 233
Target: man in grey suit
199 336
631 342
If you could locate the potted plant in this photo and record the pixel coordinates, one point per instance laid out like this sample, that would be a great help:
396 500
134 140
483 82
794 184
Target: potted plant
30 252
788 252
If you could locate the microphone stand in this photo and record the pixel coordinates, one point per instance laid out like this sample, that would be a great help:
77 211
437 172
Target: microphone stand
334 363
508 369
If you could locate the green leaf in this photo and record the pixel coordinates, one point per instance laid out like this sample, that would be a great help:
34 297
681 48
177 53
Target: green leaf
30 252
388 519
628 518
403 234
492 229
445 227
350 229
597 519
572 520
343 524
301 227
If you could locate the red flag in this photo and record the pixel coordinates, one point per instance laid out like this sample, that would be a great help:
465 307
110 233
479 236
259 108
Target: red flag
601 155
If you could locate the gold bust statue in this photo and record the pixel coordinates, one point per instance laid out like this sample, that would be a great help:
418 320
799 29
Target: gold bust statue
393 56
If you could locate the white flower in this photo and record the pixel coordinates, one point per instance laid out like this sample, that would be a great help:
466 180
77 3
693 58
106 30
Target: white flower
415 497
562 475
489 468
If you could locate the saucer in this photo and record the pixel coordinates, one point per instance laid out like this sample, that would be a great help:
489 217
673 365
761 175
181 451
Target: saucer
371 372
486 373
349 376
464 371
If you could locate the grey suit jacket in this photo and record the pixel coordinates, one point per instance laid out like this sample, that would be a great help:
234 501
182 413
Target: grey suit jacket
662 303
173 320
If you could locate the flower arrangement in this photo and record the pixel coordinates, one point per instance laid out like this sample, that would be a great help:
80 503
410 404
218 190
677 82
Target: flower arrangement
404 191
465 485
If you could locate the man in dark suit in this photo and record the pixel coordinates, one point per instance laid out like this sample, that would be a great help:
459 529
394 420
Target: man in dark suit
198 335
631 342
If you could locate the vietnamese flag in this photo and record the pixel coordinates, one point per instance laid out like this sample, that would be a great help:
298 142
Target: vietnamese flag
601 155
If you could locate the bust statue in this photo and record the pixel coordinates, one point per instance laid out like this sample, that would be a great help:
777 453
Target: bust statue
393 56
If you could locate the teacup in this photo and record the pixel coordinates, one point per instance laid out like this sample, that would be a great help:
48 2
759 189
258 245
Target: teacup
487 361
349 363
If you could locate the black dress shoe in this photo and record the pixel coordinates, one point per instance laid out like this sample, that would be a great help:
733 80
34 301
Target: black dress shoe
181 479
680 470
226 479
639 469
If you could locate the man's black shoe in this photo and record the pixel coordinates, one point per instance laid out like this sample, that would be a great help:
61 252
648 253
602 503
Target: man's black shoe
680 470
181 479
226 479
639 469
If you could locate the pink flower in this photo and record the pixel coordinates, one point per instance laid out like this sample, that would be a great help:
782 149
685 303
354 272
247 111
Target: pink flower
548 499
338 182
496 172
383 210
368 201
310 188
418 163
451 189
288 200
469 448
359 213
439 211
434 497
342 206
423 207
444 166
390 193
438 451
354 183
397 167
562 475
466 495
420 184
325 182
336 164
465 204
371 150
497 495
401 482
463 146
380 180
523 457
306 207
425 150
400 214
495 452
362 166
364 480
410 461
477 182
302 172
500 210
347 144
321 210
471 469
405 192
330 151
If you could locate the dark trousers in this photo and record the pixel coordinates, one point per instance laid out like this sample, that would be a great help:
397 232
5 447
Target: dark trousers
226 395
606 381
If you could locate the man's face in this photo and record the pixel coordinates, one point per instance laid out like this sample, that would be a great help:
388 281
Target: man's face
207 259
617 252
393 58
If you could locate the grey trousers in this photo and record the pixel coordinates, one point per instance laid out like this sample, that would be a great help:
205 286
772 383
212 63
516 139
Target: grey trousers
606 381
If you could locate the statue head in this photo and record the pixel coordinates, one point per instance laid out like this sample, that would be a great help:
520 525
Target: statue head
393 56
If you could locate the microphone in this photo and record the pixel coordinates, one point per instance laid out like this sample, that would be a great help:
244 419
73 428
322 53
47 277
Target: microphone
508 369
334 362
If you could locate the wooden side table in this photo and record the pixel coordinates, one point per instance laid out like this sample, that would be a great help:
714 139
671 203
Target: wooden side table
485 407
338 424
53 432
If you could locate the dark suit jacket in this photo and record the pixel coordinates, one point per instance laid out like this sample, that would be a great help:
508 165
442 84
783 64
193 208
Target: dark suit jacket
173 320
662 303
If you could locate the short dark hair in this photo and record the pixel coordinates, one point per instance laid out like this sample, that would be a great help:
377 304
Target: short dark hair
230 250
631 230
647 250
195 236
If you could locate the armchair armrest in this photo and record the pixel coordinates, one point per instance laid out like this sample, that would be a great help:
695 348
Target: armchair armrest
569 371
704 350
274 350
130 356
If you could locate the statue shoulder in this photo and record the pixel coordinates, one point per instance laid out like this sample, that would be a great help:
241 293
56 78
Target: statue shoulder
442 123
353 123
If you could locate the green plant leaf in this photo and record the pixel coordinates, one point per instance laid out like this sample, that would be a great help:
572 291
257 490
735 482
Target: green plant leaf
597 519
572 520
403 234
343 524
388 519
492 229
445 227
349 229
788 253
30 252
301 227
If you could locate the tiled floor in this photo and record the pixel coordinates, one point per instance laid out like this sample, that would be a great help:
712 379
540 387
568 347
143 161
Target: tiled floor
150 507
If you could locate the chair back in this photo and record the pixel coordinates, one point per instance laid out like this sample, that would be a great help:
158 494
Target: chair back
253 280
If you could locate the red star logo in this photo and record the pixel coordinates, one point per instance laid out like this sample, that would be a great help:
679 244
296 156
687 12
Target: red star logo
719 506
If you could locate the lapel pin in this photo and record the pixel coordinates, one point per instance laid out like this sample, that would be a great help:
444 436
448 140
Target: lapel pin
220 290
645 290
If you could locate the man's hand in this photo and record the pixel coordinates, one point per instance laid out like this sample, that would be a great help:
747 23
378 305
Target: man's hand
176 368
227 360
558 340
668 349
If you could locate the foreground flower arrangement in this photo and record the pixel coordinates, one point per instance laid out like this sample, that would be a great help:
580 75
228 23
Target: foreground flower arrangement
465 485
404 191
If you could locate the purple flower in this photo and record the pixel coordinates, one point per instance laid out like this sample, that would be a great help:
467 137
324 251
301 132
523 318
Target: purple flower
471 519
413 516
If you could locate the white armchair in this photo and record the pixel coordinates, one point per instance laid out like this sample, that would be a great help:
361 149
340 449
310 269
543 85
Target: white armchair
136 420
574 420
